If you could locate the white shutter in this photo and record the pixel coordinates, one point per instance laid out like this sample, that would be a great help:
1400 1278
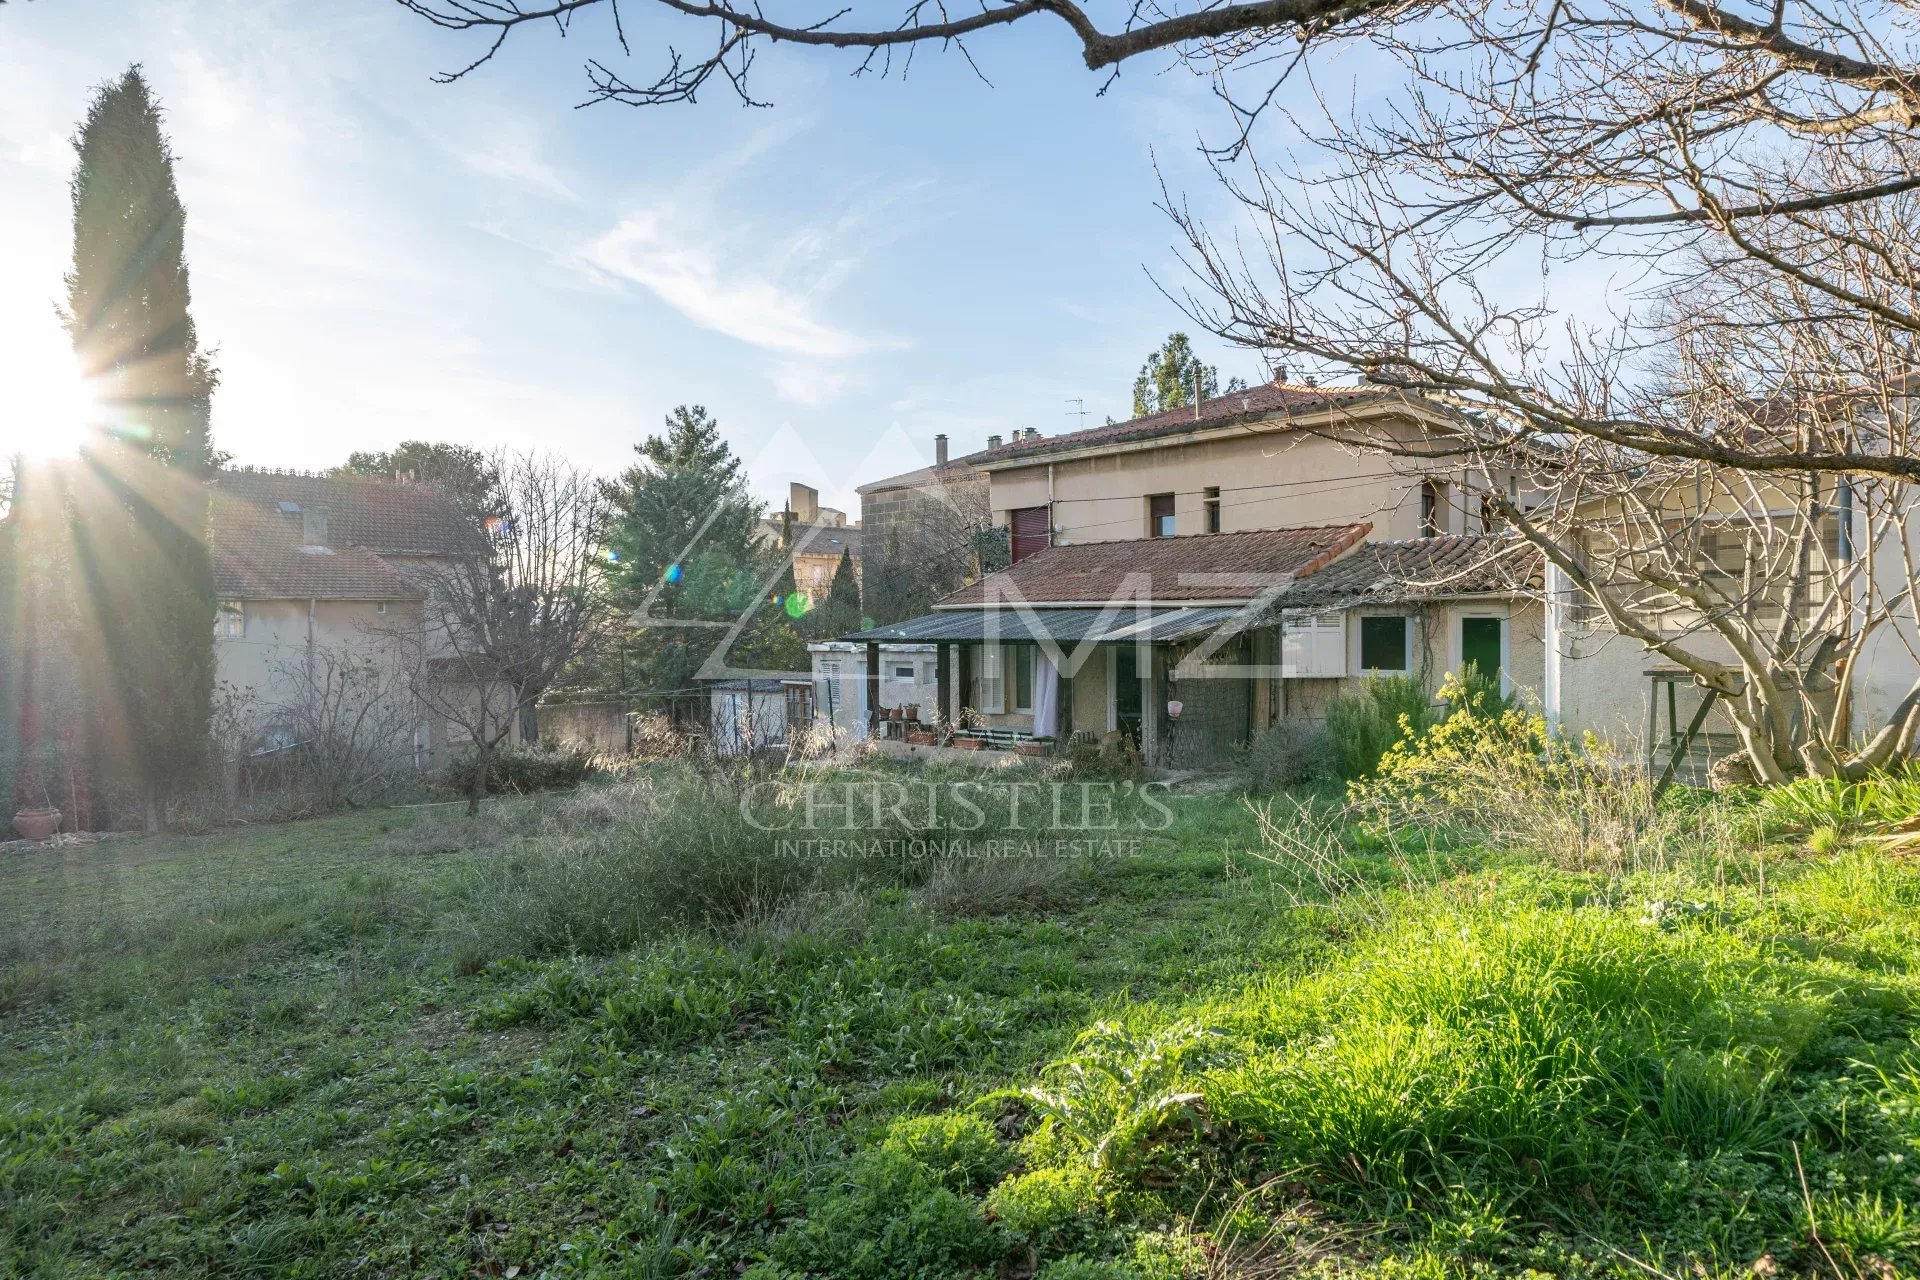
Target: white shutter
1313 645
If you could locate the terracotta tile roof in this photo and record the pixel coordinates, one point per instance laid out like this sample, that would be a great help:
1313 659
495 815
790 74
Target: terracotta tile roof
381 515
260 549
1254 404
1096 572
1419 569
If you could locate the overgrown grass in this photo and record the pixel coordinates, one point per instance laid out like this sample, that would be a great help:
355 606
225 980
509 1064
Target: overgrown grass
594 1036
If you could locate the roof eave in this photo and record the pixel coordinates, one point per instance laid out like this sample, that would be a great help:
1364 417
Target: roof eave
1367 406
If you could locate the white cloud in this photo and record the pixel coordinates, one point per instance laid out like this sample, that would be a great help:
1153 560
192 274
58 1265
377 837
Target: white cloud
512 154
680 266
696 249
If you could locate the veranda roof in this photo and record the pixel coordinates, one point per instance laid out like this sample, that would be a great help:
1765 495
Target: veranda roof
1123 625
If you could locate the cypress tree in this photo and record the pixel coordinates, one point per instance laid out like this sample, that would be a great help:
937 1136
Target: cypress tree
839 613
141 529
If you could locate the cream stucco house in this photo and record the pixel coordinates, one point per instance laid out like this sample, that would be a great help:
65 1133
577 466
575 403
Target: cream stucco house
312 569
1191 577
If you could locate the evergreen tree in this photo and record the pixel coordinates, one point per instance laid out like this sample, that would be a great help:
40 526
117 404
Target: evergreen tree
840 612
1166 380
685 543
464 474
141 530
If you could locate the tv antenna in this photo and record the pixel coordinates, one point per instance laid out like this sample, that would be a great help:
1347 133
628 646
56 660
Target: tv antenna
1079 409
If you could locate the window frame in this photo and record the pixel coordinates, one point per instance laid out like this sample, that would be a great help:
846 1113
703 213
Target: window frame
1023 665
991 680
230 620
1433 501
1360 666
1210 506
1162 524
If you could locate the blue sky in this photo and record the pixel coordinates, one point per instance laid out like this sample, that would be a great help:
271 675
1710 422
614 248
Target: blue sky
378 257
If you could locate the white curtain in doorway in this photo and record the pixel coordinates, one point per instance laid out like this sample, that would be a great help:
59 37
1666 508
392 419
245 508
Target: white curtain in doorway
1046 696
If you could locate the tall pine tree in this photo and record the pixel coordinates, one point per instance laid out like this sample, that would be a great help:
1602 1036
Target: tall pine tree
1170 377
141 531
686 544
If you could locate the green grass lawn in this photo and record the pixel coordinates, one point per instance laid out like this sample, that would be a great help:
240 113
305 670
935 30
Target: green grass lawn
320 1049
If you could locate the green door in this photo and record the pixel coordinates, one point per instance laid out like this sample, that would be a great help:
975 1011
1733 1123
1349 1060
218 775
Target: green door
1480 644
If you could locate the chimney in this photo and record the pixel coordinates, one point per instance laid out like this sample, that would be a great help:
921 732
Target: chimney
313 528
940 450
804 501
993 442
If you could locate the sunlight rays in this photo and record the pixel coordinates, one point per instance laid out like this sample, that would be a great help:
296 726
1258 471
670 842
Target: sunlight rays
53 412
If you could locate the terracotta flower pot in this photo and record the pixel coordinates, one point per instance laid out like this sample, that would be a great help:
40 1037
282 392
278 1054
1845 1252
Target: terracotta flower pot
920 739
36 824
1037 749
970 744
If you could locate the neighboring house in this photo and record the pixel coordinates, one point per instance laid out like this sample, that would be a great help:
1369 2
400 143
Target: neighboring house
1190 577
908 678
920 530
1276 456
1238 629
817 536
310 568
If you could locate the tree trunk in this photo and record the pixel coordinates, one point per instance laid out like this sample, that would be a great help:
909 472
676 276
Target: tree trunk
153 810
477 785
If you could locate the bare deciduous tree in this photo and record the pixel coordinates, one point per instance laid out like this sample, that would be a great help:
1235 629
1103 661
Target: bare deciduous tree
501 625
352 713
1719 431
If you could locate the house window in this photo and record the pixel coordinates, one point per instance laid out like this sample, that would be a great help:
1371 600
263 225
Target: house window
992 679
1031 530
230 623
1383 644
1023 678
902 673
1212 498
380 606
1432 502
1160 515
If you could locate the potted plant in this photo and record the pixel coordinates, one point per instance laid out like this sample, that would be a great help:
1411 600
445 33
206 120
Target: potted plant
1035 747
37 822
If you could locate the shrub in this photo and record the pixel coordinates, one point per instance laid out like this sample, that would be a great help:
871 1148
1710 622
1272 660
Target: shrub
1500 776
1882 806
519 770
1362 726
1053 1208
718 845
1086 758
960 1149
1289 754
892 1221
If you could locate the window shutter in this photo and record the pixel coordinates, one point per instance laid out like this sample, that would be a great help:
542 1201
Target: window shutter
1313 645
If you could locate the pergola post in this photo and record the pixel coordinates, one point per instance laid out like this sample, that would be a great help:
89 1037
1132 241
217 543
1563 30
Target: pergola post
873 688
943 681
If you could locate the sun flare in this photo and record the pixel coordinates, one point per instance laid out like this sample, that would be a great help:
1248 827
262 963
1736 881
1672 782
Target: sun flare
51 414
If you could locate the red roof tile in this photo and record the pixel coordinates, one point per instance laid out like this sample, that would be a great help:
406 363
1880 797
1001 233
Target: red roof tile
1412 569
381 515
1174 568
260 550
1250 405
